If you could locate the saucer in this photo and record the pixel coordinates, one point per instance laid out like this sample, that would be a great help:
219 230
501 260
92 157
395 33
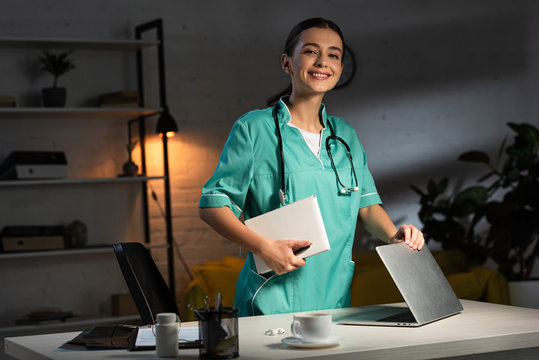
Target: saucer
297 342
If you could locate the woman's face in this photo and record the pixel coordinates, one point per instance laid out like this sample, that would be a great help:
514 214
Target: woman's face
316 63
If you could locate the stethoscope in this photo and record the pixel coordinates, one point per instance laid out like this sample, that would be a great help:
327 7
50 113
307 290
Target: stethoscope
344 189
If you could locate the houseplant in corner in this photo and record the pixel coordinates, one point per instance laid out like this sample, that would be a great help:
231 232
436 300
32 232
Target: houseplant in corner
506 211
57 65
513 236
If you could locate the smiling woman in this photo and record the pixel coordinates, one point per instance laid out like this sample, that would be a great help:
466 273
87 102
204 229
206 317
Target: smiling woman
251 180
314 67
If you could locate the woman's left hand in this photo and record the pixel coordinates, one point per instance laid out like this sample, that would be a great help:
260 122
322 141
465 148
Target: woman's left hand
412 236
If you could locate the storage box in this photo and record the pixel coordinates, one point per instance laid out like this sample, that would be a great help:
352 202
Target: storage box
31 238
122 305
34 165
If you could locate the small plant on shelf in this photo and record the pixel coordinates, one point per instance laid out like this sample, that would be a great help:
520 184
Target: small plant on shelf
129 167
57 65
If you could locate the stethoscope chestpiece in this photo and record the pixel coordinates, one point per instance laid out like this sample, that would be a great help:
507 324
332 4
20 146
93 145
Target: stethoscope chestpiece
349 190
282 197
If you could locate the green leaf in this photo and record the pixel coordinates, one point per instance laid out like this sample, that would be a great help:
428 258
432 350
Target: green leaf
527 131
513 175
432 188
475 156
469 200
442 185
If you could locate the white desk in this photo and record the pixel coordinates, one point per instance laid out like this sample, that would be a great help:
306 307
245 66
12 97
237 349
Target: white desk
481 331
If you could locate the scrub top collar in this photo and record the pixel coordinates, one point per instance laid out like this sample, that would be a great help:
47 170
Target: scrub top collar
284 115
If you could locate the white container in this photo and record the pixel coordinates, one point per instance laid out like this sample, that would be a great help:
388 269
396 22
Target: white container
166 334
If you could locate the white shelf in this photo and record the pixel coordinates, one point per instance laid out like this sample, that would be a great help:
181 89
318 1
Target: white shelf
120 179
74 43
76 112
62 252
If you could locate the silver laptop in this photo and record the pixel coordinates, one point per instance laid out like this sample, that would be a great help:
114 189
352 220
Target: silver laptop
422 284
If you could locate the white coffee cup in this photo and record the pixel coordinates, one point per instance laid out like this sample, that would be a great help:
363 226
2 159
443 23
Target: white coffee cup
311 327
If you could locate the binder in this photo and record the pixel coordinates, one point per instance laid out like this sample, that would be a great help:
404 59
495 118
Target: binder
300 220
34 165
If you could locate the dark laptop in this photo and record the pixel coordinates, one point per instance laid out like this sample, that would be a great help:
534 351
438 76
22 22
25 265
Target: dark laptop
422 284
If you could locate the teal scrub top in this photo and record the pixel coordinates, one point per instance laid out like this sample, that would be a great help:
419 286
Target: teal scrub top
247 180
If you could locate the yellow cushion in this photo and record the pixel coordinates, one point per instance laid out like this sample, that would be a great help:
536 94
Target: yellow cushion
210 278
371 283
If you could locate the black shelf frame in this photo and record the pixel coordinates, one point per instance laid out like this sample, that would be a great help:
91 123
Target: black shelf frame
156 26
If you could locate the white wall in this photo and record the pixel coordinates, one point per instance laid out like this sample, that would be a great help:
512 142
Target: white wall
435 79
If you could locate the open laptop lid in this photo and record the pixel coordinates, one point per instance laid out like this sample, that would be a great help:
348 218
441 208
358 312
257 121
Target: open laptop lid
420 281
422 284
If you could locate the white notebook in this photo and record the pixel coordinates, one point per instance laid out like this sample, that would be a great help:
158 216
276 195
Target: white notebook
300 220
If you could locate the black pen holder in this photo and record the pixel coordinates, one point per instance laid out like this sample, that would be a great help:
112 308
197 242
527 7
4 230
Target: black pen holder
218 333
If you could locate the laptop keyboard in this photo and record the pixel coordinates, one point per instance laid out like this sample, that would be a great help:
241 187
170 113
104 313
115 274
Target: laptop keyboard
406 317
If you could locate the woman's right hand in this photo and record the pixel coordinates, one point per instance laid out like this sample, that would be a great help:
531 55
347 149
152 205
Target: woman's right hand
279 255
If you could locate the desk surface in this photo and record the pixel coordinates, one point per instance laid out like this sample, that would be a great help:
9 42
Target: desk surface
501 331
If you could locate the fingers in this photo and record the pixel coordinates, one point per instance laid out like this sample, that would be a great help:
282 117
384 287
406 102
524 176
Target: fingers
412 236
286 261
300 247
295 264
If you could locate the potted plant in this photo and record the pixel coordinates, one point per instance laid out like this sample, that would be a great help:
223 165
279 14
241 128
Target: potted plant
57 65
509 206
129 167
452 219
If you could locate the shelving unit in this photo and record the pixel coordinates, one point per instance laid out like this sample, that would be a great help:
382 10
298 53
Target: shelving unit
79 112
129 116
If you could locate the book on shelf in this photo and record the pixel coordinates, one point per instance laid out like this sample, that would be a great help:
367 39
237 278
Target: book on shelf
44 316
120 105
34 165
7 101
128 99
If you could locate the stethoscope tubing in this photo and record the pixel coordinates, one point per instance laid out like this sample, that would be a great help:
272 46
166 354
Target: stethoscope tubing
344 189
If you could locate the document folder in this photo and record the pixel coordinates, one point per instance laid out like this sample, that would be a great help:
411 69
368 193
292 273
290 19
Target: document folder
300 220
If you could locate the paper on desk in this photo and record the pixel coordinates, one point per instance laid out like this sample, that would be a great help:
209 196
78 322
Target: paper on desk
300 220
146 337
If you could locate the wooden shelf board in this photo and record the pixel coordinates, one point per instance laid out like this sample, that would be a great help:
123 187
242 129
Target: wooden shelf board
74 43
76 112
120 179
104 249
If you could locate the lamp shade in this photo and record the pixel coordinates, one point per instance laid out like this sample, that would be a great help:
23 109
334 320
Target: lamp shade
166 123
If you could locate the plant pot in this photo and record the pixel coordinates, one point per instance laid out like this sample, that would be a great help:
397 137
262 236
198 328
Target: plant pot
524 293
130 168
54 97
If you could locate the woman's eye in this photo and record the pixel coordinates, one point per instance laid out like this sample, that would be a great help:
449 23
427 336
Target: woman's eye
334 56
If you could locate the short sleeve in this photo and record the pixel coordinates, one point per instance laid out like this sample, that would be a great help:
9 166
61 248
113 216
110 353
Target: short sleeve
369 194
230 181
